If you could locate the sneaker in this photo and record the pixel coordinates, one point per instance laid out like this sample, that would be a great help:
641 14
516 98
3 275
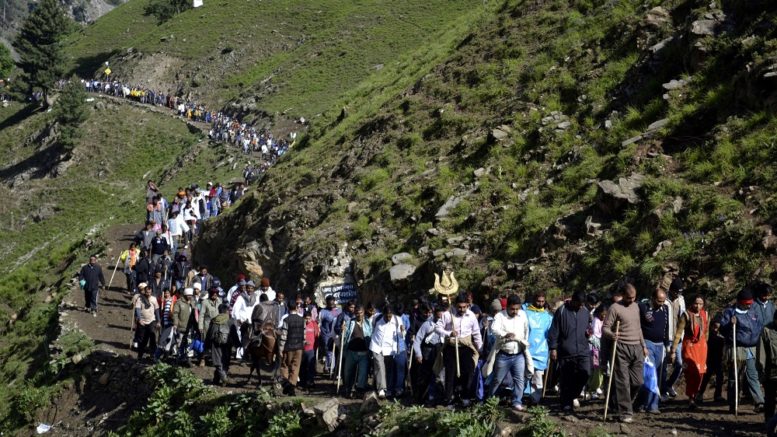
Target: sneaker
672 393
627 419
599 392
595 396
518 408
654 411
94 313
134 345
758 408
576 403
382 394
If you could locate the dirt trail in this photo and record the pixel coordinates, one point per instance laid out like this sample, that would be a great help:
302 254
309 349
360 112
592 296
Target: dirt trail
110 331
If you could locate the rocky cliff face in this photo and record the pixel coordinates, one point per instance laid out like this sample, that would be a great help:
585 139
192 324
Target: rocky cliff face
558 147
13 12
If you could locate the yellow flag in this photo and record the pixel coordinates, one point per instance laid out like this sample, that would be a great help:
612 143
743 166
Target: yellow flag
107 71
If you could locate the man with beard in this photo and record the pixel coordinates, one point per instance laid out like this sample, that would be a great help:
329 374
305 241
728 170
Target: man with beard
462 333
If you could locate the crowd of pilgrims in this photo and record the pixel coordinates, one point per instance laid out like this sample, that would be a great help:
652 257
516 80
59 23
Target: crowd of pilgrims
223 127
441 351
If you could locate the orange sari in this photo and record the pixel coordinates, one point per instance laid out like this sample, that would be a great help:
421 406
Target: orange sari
695 351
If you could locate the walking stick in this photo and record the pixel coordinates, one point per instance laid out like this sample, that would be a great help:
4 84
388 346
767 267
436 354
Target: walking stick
114 272
458 367
409 375
612 368
545 383
340 361
736 372
334 356
132 327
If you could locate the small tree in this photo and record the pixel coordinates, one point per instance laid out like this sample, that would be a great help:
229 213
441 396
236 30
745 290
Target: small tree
39 45
71 112
6 62
164 10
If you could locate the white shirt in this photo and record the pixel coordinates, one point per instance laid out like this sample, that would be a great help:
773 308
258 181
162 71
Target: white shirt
384 336
242 310
518 326
464 325
269 292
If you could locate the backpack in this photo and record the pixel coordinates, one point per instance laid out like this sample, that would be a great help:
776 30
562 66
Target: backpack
221 334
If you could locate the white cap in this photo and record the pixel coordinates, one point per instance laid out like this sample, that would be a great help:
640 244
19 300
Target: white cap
188 291
197 285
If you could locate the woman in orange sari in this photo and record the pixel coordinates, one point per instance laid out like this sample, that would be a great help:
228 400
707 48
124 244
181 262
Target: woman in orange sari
693 330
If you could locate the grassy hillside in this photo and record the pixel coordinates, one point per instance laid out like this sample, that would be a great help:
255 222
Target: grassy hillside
275 56
547 100
50 225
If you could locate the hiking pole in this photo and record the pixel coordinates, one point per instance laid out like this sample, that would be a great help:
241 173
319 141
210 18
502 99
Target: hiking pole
409 376
545 383
458 367
114 272
612 368
340 363
334 356
132 327
736 371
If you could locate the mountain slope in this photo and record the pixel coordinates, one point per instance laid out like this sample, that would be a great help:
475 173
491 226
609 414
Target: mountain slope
294 57
525 132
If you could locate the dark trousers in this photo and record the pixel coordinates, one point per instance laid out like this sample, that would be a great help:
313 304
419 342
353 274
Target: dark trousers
770 393
90 299
147 339
718 382
629 360
574 374
467 367
220 355
308 368
423 376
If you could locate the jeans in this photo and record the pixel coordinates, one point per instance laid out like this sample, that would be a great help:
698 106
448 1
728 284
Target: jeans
676 370
355 367
308 369
515 366
656 353
396 379
751 376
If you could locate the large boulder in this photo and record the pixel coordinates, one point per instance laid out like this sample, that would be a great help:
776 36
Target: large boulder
401 272
327 414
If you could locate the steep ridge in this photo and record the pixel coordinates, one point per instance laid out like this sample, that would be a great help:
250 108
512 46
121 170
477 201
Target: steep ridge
561 145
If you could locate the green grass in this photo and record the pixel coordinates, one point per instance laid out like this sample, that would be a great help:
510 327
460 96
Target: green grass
314 52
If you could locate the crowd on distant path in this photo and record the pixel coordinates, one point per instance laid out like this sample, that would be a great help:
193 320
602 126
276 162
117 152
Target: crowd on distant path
223 127
442 349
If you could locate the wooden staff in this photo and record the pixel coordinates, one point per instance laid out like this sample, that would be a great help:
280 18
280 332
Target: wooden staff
736 370
547 372
340 363
334 356
114 272
612 368
458 367
132 327
410 365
